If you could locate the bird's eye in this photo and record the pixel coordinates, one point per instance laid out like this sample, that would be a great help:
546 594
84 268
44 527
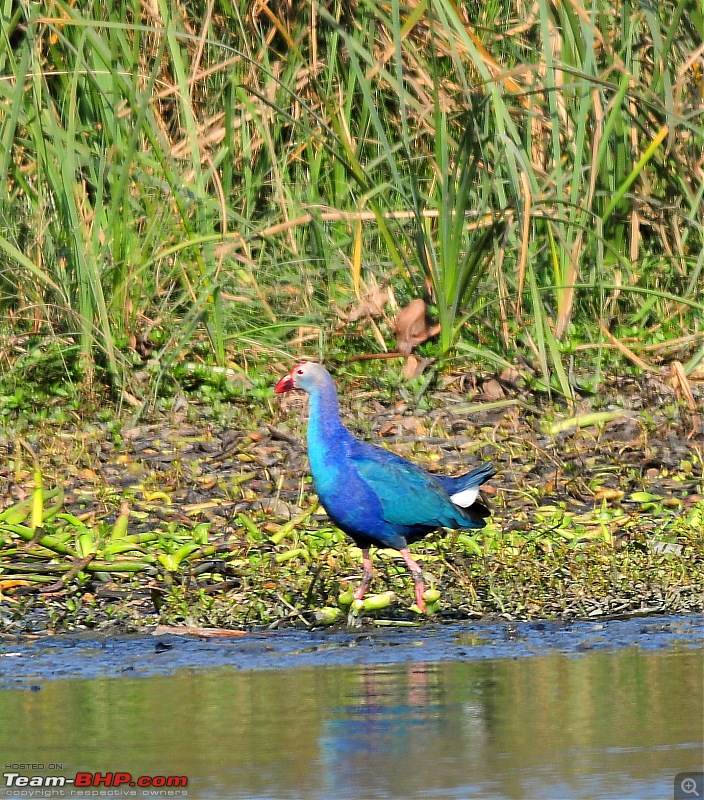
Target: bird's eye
299 371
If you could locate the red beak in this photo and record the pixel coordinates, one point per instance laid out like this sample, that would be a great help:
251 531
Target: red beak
285 384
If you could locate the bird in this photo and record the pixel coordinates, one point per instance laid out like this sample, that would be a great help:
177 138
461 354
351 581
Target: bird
373 495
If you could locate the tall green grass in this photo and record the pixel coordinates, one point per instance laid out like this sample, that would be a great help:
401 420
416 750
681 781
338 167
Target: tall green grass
181 182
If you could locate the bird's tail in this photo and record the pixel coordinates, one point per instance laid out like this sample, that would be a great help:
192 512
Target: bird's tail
464 489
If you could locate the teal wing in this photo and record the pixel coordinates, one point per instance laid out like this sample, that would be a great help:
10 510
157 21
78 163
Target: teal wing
409 497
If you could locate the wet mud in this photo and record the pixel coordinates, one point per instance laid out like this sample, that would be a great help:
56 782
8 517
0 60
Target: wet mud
28 662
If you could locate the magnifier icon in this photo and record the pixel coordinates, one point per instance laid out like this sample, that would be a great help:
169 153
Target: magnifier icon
689 786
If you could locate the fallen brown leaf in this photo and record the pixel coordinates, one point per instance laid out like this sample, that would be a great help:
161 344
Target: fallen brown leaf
412 327
410 367
10 584
192 630
510 375
492 390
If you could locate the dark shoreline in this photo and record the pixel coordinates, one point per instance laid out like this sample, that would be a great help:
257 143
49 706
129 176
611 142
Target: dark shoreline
26 662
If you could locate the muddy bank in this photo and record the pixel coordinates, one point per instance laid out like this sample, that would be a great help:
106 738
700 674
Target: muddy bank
198 520
28 663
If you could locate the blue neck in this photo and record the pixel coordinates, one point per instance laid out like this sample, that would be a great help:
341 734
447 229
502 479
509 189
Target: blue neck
327 436
324 419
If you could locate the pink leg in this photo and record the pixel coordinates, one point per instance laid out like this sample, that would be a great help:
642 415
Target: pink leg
417 575
367 575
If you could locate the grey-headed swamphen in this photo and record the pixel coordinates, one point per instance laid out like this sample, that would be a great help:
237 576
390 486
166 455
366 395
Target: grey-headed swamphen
374 496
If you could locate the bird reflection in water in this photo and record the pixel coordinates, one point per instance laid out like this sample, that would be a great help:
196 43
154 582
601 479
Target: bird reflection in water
388 717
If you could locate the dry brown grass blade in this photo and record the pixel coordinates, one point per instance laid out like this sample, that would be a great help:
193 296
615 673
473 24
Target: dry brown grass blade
565 314
681 385
503 295
525 240
500 74
626 351
485 221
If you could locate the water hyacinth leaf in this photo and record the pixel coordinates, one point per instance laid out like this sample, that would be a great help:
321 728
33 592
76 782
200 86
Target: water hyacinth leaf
172 561
116 548
200 533
19 512
328 615
85 543
119 530
292 525
469 543
254 534
375 602
302 552
431 595
644 497
346 598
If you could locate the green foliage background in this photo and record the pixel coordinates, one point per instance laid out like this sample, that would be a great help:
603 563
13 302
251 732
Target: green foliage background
185 182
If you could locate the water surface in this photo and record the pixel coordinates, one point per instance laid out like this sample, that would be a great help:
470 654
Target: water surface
602 724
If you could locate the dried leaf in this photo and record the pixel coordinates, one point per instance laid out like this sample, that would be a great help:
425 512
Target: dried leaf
510 375
409 369
415 367
193 630
608 494
412 327
11 584
370 304
387 429
492 390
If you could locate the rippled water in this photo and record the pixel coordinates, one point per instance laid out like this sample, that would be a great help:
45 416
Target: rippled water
618 724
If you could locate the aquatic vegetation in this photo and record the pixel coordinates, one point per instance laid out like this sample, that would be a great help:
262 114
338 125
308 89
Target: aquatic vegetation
183 525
